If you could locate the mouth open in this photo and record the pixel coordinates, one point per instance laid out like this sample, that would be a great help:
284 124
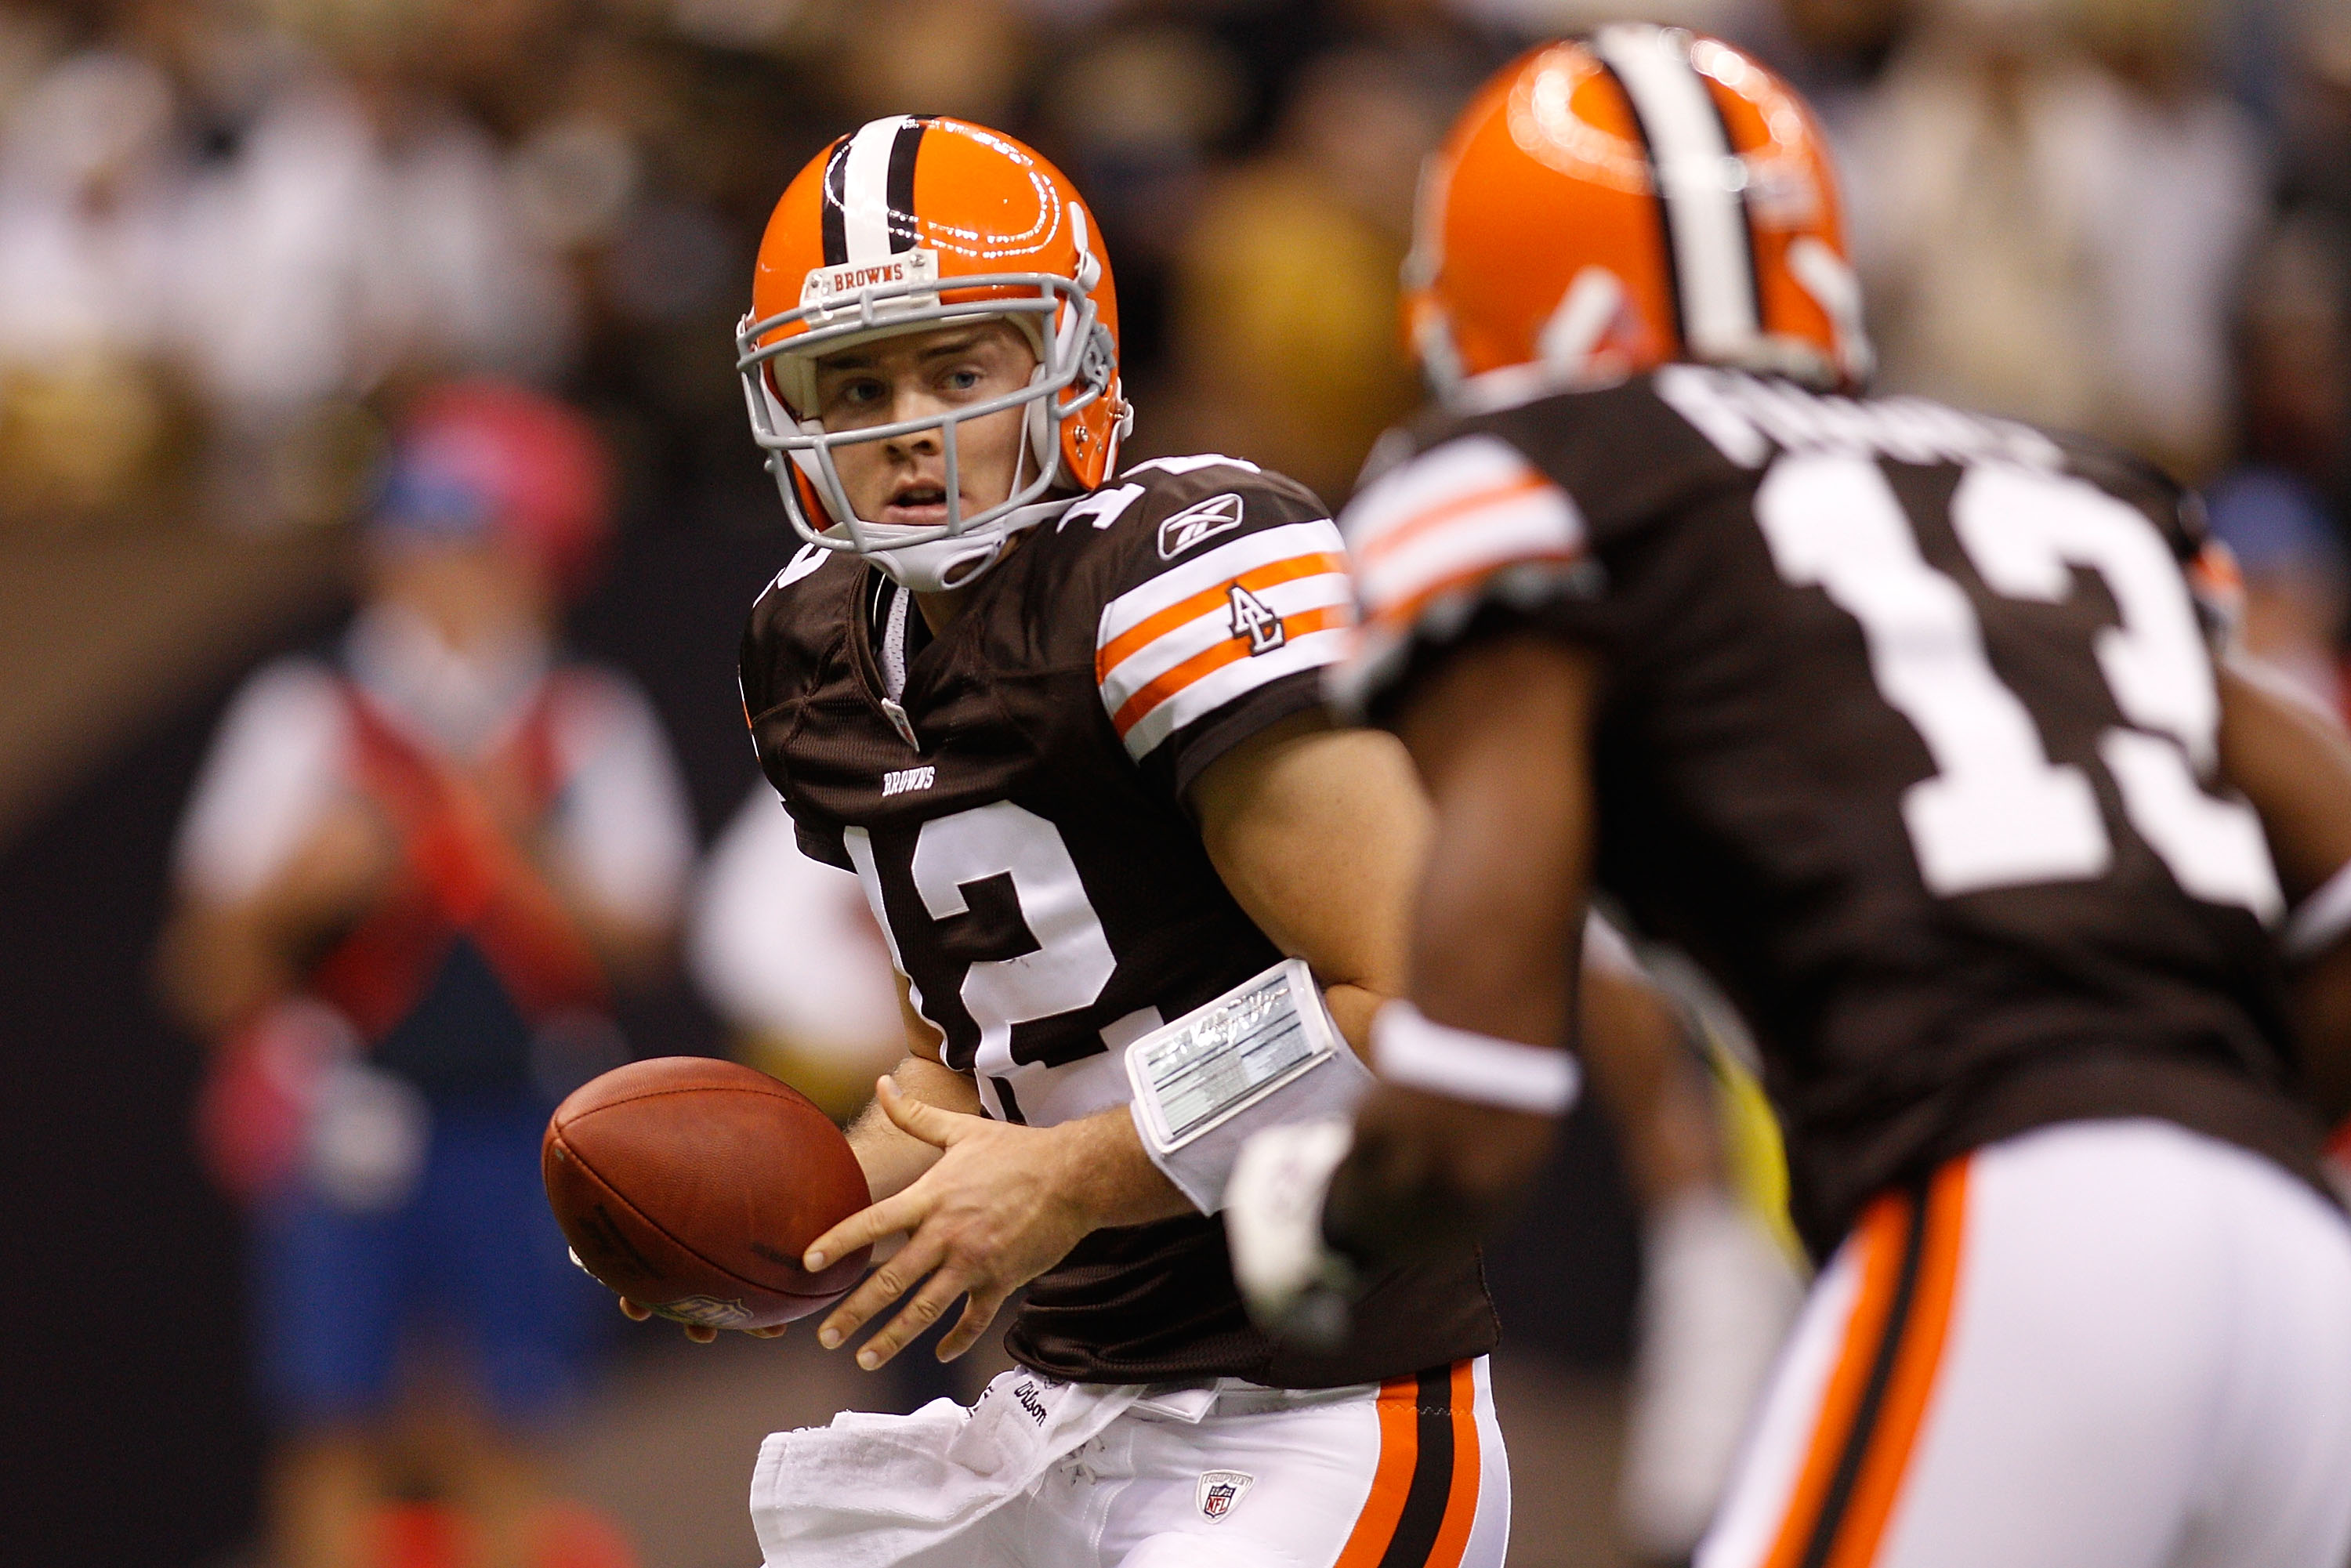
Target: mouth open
919 502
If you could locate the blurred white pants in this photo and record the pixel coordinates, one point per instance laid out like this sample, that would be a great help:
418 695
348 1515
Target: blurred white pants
2102 1344
1056 1475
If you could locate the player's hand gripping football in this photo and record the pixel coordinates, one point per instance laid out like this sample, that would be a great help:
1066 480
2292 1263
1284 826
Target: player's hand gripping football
1002 1205
700 1333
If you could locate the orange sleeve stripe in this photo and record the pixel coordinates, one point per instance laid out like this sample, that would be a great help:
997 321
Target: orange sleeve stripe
1879 1484
1398 617
1214 659
1461 1496
1152 627
1399 1414
1403 533
1882 1230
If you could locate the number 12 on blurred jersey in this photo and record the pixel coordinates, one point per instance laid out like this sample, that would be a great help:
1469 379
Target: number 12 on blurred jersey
1998 812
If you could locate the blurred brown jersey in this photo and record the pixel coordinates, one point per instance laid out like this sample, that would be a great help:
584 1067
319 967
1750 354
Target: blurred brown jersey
1907 735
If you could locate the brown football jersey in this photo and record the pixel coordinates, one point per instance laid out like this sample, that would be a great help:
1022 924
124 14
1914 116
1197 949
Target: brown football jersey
1012 798
1908 736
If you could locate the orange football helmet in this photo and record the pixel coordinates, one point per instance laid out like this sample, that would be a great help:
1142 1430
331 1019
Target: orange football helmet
908 224
1611 203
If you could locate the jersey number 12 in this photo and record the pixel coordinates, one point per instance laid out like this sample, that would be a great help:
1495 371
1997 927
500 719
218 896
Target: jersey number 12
1998 812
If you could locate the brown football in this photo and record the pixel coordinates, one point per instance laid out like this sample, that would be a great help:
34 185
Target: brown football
693 1185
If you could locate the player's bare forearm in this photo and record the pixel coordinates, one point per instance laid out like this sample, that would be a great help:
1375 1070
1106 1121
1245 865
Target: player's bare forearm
1119 1184
2293 763
1319 835
1498 734
1352 1008
893 1158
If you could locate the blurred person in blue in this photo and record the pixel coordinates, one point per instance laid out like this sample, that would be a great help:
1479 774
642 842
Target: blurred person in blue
2297 583
409 878
2281 510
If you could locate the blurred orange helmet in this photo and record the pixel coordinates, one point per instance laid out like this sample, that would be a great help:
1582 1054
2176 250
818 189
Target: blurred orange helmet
1610 204
908 224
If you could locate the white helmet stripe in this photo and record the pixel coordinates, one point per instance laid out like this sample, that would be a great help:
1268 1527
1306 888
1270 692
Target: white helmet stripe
865 190
1700 179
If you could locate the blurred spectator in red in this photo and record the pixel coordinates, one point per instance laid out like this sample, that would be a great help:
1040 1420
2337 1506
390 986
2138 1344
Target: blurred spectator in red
409 876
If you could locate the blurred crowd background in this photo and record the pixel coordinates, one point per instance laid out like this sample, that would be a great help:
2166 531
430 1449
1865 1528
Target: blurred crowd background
240 238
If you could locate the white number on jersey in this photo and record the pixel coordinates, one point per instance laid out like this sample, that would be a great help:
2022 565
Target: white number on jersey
1067 971
1998 812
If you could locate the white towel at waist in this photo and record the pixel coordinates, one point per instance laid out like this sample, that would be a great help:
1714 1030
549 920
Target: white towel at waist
870 1492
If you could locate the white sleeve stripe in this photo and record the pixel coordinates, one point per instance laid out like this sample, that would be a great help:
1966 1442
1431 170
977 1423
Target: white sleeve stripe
1542 524
1468 465
1218 566
1445 518
1196 636
1213 691
1197 460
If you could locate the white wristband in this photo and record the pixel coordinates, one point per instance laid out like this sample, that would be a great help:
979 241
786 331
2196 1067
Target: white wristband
1410 1050
1264 1053
2320 921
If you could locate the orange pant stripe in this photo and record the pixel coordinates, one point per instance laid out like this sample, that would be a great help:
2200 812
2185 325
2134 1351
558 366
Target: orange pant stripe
1876 1397
1399 1453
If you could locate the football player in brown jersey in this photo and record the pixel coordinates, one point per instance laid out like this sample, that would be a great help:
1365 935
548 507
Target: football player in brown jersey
1901 720
1064 724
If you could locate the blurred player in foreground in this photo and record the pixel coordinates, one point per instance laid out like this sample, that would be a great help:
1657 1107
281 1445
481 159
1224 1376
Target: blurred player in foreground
1901 721
409 876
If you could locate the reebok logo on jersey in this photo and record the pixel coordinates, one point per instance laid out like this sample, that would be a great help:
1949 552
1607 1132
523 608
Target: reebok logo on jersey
1220 1491
1201 521
1255 620
899 781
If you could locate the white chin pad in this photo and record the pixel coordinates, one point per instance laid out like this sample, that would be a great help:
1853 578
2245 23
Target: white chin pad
940 564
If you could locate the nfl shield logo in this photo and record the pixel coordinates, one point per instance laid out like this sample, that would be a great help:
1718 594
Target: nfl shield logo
1221 1491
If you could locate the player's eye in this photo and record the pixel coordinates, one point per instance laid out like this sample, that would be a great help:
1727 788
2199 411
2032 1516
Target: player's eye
964 378
858 394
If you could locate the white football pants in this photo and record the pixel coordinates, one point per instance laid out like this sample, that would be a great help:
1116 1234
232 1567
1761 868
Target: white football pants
2101 1344
1406 1474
